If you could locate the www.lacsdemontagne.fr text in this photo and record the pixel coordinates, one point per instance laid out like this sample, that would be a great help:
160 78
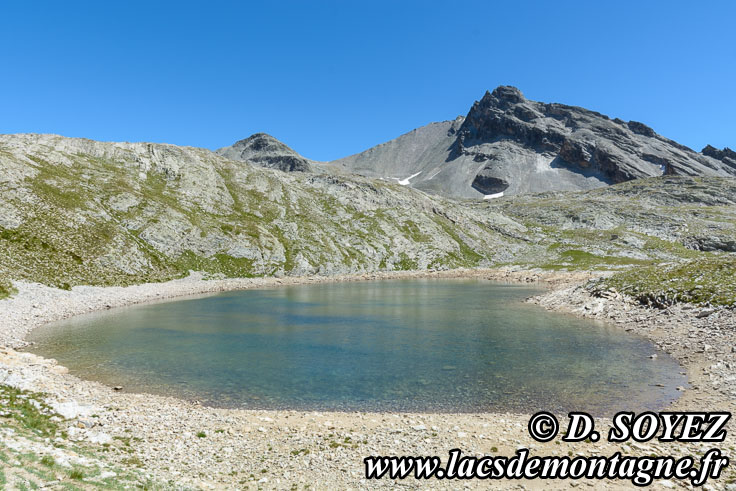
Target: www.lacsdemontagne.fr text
641 471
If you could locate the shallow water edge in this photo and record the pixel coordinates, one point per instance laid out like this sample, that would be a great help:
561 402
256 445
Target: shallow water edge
444 345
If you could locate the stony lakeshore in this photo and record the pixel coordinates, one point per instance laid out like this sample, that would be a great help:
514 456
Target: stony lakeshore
127 439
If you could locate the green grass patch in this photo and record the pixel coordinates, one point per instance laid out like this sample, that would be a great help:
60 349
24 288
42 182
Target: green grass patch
465 257
31 418
77 474
29 409
704 281
232 267
405 263
576 259
411 230
6 288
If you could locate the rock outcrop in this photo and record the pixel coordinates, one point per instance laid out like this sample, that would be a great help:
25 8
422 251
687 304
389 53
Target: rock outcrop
727 156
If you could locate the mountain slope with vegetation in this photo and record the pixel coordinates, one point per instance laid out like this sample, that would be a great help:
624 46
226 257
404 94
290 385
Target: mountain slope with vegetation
673 238
75 211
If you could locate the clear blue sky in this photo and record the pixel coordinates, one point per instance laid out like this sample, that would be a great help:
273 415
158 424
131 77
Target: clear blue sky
334 78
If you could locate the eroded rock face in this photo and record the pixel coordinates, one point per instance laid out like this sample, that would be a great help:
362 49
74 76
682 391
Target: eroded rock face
266 151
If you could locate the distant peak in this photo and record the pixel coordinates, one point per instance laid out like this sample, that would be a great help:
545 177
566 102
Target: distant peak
257 136
265 150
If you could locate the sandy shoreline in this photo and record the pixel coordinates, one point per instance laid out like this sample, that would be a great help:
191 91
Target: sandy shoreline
325 449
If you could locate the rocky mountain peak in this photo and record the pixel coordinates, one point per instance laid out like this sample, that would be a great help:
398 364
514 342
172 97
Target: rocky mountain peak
507 93
581 141
266 151
508 144
261 141
502 97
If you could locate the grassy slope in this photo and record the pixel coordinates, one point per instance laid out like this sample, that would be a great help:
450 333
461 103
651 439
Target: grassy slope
74 230
652 230
704 281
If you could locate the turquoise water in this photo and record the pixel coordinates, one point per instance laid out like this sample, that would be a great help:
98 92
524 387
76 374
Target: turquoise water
415 345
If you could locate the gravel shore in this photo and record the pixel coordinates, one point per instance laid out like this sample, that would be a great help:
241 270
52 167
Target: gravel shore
187 445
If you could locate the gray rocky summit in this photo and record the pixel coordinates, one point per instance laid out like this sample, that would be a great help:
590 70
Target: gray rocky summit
509 144
266 151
